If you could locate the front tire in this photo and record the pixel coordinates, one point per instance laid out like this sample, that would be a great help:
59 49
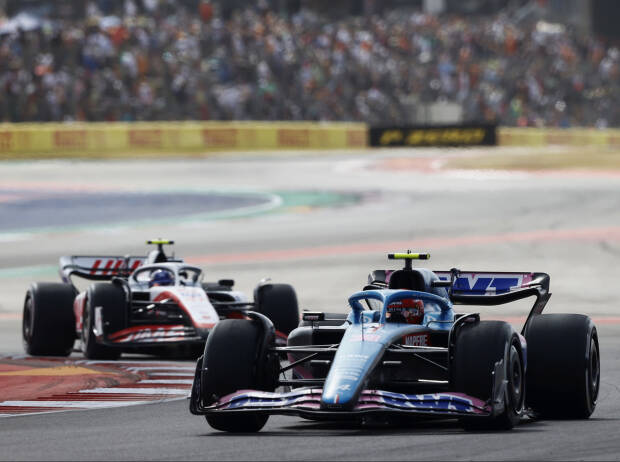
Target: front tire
111 300
234 360
479 346
563 366
279 303
48 321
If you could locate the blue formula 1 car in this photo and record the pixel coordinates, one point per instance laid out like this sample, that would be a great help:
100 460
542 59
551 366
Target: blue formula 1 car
403 352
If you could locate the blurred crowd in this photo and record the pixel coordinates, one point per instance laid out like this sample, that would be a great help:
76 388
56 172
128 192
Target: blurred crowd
165 61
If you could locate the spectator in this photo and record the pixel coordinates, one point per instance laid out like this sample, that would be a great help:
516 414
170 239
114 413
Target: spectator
159 60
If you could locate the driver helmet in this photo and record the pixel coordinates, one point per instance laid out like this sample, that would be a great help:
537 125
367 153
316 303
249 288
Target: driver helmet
161 277
406 311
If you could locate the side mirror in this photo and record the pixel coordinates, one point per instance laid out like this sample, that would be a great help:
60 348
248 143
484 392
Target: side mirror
440 283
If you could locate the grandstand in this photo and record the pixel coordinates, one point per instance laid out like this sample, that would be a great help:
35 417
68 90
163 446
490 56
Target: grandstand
515 63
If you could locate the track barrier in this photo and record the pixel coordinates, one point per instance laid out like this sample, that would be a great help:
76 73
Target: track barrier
515 136
129 139
119 139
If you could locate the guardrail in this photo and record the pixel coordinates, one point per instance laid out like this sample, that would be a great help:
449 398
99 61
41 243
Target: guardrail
122 139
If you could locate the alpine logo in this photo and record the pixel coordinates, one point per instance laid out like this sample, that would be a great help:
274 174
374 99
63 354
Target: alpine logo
487 283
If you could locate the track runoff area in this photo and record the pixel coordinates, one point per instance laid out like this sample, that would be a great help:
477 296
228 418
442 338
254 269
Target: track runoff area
558 221
38 385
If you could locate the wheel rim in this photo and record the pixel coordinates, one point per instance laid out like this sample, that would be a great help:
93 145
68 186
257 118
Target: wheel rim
515 380
594 371
27 320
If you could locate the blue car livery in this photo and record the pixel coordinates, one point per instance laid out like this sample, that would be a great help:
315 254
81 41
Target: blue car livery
401 351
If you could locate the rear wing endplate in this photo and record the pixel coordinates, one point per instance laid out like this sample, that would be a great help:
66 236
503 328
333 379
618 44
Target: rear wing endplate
98 268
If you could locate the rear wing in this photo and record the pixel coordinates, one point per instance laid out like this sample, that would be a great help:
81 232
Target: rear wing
486 288
98 268
475 288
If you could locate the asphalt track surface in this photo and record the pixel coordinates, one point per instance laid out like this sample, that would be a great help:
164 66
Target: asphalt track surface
566 224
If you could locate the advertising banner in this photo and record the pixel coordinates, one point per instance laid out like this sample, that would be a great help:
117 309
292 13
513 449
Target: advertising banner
173 138
434 135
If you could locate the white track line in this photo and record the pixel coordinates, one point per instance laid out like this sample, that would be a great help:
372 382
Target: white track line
160 368
76 404
131 364
138 391
171 374
168 382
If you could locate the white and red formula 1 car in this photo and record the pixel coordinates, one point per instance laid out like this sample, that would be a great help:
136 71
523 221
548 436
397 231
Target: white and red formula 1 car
153 304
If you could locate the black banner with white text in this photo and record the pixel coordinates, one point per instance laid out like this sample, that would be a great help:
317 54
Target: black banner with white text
434 135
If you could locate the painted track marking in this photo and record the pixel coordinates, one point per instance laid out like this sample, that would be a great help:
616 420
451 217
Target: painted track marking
156 368
168 381
68 404
268 256
137 391
543 235
177 374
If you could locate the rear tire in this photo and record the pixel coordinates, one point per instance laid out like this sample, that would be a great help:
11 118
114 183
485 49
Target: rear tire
279 303
48 322
478 347
233 361
111 299
563 376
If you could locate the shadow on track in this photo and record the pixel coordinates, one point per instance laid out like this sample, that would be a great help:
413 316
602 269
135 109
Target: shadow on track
344 428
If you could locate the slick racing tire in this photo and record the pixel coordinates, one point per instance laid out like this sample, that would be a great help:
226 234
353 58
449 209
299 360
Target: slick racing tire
235 359
111 299
563 376
279 303
48 322
478 347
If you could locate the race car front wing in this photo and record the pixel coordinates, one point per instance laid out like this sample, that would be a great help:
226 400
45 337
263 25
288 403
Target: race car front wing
306 402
